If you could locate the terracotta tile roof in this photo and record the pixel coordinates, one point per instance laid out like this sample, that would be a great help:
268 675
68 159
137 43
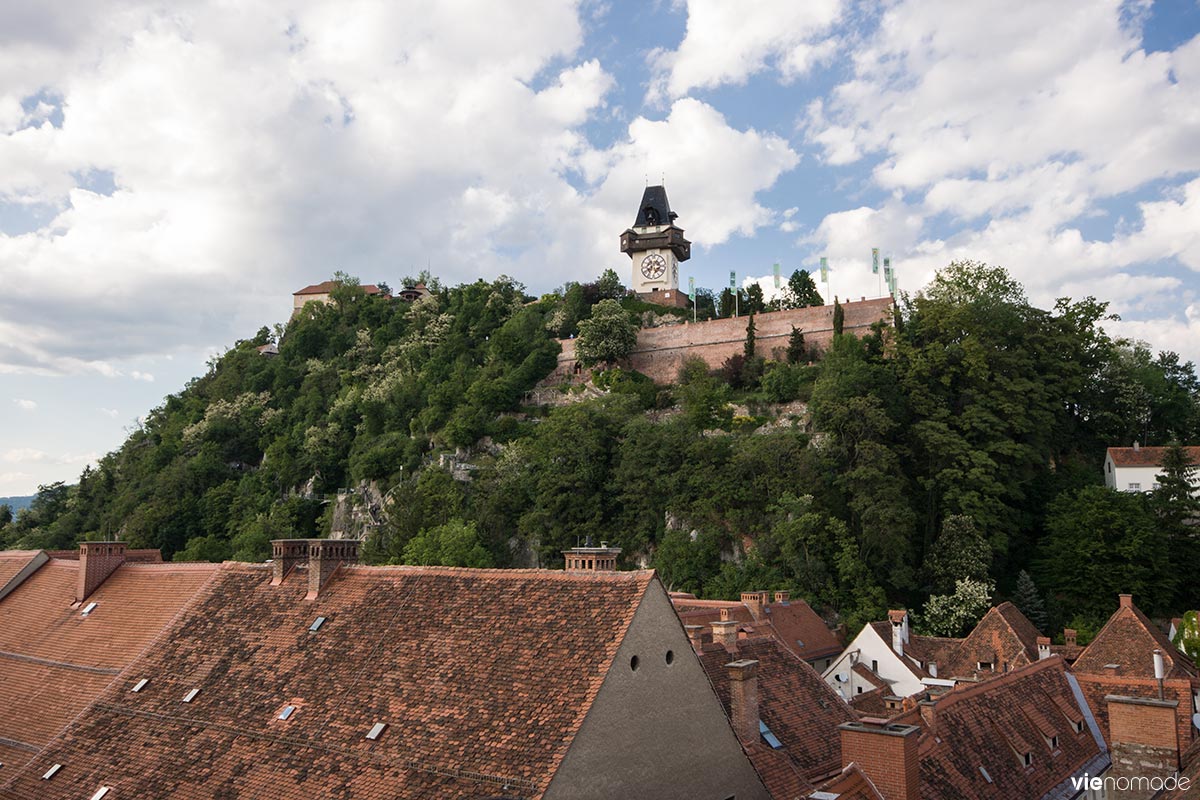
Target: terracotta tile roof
477 674
325 287
54 661
992 724
851 784
1129 639
1004 638
1190 770
793 701
794 623
12 562
778 773
1147 456
147 556
872 703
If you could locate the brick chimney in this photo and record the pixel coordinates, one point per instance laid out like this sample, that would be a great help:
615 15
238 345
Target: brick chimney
899 620
886 753
285 555
1069 635
694 633
782 597
1144 736
1043 645
1126 601
743 699
97 560
324 557
725 633
756 602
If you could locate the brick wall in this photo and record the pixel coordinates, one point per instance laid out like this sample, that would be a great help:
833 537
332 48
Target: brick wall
97 560
1176 689
887 754
1144 722
660 352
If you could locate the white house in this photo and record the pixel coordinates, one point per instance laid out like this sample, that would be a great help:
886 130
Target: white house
1136 469
880 647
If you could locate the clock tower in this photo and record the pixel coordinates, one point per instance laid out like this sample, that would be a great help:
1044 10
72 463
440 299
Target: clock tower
656 246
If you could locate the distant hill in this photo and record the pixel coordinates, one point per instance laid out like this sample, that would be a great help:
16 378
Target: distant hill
16 503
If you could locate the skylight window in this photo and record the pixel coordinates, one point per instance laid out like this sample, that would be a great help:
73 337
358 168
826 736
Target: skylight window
985 775
50 773
190 696
287 712
770 738
89 608
137 687
101 793
376 730
316 626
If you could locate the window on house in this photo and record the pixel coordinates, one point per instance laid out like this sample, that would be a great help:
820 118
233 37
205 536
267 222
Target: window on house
137 687
770 737
376 730
1053 742
985 774
50 773
316 626
1079 726
986 666
874 665
1135 487
1028 759
860 690
287 712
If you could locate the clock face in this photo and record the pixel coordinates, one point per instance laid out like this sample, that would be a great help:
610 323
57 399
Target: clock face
653 266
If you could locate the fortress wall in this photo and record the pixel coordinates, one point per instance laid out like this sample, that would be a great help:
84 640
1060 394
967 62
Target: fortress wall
660 352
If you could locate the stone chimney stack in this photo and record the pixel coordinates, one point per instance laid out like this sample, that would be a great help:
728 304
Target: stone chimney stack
782 597
743 699
756 602
725 633
97 560
324 557
1145 739
1069 635
694 633
285 555
1043 645
886 753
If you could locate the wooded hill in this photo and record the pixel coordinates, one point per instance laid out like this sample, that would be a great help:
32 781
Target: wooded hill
942 458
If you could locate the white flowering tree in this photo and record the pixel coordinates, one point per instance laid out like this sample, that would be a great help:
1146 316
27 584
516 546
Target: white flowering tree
953 614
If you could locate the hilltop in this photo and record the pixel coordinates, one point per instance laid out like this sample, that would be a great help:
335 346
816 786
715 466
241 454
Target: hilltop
832 473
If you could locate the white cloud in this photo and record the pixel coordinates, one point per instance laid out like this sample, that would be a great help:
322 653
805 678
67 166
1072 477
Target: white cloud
110 412
25 405
137 375
23 454
728 42
31 455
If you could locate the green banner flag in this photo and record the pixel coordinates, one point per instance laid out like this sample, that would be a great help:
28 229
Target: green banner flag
874 260
824 269
692 289
776 276
732 279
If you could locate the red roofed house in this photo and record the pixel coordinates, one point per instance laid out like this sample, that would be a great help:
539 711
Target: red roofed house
792 621
1003 640
320 293
1117 672
906 662
315 677
68 626
1136 469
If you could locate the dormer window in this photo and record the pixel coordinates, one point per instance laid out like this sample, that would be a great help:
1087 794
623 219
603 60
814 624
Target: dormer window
1079 726
1052 742
985 666
1028 759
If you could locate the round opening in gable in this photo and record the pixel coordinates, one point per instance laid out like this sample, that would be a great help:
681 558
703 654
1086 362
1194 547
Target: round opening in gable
670 657
633 663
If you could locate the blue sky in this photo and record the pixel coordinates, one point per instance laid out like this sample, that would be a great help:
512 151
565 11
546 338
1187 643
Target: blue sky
169 174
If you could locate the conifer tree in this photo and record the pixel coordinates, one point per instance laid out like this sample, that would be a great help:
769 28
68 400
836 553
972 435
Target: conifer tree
839 318
748 347
1029 601
795 348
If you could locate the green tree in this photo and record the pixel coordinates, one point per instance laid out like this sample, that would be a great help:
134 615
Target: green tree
1178 510
796 351
955 614
454 544
839 318
960 552
803 290
1187 638
609 286
748 346
607 337
1101 543
1029 601
6 514
754 300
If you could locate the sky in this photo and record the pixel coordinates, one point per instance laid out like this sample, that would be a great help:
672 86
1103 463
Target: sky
170 172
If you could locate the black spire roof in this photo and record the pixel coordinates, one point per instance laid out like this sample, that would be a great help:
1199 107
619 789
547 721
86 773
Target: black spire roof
654 210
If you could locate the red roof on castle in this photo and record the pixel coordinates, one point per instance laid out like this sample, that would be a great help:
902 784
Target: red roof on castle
1147 456
325 287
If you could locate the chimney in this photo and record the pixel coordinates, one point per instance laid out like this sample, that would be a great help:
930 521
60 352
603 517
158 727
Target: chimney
724 614
782 597
743 699
97 560
1144 735
324 557
1043 644
1112 670
899 620
756 602
1126 601
1069 636
285 555
886 753
694 633
725 633
931 667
